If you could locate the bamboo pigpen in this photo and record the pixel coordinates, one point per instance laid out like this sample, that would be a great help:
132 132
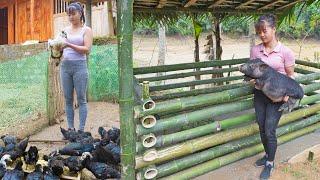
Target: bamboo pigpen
184 135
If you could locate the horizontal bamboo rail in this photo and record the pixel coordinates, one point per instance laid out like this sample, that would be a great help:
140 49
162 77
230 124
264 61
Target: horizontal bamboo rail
183 66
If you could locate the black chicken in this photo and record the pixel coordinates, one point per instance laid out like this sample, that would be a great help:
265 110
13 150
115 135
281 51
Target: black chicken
8 139
100 170
74 163
36 174
103 133
111 135
18 150
115 151
103 155
3 164
48 174
31 156
56 163
76 136
76 148
16 173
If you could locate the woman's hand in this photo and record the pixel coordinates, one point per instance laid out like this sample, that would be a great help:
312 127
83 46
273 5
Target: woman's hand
252 82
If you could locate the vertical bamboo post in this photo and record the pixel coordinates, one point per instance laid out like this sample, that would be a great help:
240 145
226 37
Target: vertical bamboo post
126 99
145 90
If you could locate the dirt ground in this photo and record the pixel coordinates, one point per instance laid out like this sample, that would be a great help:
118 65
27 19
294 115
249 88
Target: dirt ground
180 50
306 170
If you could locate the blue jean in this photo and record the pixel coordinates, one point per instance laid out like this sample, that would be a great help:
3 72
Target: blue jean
268 117
74 75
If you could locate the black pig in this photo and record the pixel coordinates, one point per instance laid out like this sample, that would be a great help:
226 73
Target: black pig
272 83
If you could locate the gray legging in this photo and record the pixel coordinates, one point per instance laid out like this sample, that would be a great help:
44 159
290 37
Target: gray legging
74 75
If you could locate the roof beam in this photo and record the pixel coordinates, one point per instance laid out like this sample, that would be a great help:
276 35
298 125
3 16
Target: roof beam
288 5
194 9
242 5
216 3
270 4
190 3
161 3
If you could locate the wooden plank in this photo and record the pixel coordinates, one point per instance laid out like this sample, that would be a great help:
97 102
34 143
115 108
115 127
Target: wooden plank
243 5
272 3
217 3
32 9
11 24
16 39
190 3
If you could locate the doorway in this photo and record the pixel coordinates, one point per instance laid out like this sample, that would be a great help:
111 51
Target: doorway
4 26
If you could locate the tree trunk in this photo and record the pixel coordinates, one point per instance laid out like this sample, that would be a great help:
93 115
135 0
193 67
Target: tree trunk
196 59
218 47
252 34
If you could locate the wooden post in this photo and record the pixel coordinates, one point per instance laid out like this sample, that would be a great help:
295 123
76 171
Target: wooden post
55 99
110 18
126 98
162 49
88 13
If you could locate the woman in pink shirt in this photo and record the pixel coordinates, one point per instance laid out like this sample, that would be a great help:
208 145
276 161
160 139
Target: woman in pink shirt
281 58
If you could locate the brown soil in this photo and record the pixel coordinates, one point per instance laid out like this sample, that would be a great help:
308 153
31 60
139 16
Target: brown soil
298 171
99 114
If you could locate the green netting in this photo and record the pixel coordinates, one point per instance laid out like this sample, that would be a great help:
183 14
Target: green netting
103 73
23 89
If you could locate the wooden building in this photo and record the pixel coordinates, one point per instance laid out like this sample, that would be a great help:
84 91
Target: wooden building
22 20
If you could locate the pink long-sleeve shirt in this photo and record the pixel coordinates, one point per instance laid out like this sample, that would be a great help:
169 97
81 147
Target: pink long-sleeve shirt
280 58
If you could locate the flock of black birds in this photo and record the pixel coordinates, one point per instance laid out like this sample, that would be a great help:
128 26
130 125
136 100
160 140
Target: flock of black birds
101 156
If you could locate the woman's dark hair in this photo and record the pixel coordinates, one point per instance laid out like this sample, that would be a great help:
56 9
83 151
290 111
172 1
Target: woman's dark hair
76 6
267 18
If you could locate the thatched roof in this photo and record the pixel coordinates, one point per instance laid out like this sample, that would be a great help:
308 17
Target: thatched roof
215 6
84 1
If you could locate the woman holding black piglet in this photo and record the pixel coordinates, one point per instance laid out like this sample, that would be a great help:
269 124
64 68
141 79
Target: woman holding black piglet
281 59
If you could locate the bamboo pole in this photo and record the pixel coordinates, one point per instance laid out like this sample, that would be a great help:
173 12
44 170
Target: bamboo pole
126 99
302 71
204 142
188 74
164 140
310 64
194 117
183 66
196 82
217 151
233 157
192 102
197 92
